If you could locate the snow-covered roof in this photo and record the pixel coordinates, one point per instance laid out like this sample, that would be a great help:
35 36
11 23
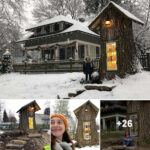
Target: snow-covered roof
76 25
124 11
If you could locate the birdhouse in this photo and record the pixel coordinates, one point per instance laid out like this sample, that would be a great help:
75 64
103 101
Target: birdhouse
118 51
27 116
86 133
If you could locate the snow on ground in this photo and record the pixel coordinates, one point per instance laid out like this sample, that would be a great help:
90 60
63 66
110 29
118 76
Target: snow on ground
43 86
1 132
89 148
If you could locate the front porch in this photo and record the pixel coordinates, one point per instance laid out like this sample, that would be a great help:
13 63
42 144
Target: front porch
75 50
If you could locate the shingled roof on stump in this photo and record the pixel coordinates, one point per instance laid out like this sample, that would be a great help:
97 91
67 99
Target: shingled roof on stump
27 116
119 54
86 133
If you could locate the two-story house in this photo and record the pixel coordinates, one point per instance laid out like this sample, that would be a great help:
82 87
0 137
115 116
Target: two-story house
61 38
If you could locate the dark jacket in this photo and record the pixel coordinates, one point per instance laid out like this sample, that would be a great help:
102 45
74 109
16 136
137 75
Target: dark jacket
88 67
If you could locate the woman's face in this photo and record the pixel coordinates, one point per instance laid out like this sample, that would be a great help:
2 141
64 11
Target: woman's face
127 133
57 127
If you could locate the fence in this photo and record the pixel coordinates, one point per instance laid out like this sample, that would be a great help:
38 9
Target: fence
53 66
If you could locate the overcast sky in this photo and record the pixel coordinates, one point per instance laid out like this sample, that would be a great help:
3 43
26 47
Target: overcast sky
14 105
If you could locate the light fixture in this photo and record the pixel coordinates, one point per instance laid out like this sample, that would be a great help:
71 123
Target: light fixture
107 22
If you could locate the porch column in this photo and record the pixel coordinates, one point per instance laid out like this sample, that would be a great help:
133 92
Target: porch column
25 54
89 52
57 53
117 119
76 51
85 50
104 124
40 55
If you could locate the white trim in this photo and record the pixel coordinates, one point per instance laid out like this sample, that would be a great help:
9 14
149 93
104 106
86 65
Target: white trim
111 116
66 42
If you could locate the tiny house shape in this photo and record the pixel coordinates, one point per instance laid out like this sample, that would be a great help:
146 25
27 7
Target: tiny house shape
27 116
118 51
86 133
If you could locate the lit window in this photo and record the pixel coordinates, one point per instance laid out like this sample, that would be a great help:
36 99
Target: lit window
86 130
111 56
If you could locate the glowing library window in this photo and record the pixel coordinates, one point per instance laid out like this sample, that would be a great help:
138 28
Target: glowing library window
111 54
30 123
87 130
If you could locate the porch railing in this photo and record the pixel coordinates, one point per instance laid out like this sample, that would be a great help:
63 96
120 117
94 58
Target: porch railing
53 66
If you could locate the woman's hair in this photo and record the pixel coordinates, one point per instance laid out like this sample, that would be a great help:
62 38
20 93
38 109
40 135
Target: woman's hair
66 138
126 132
87 58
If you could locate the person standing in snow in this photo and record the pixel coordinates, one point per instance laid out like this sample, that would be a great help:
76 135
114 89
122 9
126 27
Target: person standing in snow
88 68
60 139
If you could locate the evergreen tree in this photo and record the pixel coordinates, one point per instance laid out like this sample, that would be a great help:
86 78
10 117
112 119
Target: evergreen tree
47 111
5 116
6 62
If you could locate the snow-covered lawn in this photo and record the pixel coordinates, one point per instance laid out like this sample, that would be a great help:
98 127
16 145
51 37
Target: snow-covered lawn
43 86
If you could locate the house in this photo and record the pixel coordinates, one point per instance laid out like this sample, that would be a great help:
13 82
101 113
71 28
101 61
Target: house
42 119
60 38
27 116
111 113
86 132
118 51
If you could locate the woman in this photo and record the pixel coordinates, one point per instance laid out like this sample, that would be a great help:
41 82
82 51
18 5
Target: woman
60 139
88 68
127 139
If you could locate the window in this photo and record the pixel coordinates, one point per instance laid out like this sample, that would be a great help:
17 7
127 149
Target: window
81 51
134 128
62 53
86 130
97 52
111 56
39 30
47 29
56 27
31 123
70 52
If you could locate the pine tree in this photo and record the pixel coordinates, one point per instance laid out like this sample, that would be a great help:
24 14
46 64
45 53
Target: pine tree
7 62
5 116
47 111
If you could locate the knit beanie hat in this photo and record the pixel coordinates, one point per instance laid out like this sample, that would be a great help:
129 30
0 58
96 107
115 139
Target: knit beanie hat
61 117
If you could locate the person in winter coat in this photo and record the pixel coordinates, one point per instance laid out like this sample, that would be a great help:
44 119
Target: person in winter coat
60 139
88 68
127 139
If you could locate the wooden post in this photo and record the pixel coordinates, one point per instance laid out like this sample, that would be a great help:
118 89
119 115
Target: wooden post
76 51
70 64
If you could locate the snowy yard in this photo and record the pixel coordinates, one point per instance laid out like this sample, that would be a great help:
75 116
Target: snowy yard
43 86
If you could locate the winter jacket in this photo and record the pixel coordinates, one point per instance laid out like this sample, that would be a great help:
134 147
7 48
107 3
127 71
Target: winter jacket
62 145
88 67
128 142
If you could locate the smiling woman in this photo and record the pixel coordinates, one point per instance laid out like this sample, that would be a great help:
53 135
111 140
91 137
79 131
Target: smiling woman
60 139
